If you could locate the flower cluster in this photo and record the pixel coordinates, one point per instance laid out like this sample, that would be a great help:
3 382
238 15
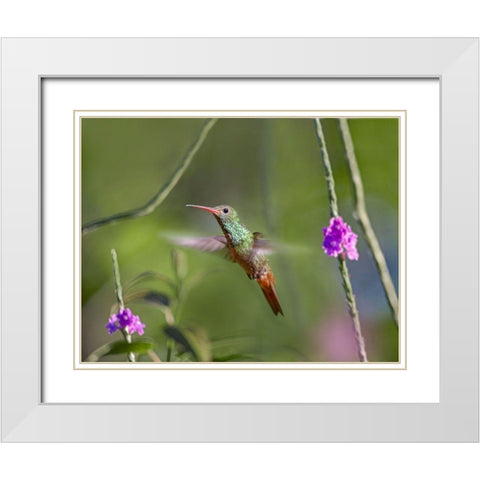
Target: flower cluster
339 237
125 319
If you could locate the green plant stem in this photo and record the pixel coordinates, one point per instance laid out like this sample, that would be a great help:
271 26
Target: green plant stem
98 353
154 356
116 279
363 219
347 286
160 196
170 319
171 316
352 306
170 345
119 294
327 169
128 339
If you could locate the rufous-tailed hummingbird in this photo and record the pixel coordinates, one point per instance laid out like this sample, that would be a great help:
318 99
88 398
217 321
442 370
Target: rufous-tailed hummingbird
242 246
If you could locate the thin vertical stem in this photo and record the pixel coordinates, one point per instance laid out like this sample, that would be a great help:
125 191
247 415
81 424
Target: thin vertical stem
116 279
352 306
128 339
347 286
119 294
170 344
364 220
327 168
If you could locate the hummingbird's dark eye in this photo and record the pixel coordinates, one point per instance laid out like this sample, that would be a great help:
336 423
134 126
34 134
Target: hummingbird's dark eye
225 210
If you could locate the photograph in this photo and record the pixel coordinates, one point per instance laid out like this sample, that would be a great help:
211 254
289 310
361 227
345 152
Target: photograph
239 240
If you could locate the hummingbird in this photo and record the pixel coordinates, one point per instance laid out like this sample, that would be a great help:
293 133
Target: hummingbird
242 246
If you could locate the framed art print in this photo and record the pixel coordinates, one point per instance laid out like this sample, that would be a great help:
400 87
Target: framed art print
135 190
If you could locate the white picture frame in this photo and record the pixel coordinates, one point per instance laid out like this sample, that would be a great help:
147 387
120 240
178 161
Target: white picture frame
26 62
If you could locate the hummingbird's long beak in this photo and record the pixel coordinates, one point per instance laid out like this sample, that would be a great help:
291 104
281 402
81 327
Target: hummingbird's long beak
208 209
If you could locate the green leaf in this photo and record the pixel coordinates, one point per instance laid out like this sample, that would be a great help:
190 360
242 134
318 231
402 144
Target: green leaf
148 296
179 263
156 297
139 347
237 344
120 346
235 357
193 339
149 275
191 282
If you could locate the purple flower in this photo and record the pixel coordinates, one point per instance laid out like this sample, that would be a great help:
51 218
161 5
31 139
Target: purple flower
125 319
339 238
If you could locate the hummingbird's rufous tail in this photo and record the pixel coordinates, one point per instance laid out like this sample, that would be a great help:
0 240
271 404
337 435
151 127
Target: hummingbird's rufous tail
267 284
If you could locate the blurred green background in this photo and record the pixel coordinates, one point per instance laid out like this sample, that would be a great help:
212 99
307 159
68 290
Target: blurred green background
270 171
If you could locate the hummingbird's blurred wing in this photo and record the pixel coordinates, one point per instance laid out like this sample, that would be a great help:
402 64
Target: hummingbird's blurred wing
267 247
262 245
205 244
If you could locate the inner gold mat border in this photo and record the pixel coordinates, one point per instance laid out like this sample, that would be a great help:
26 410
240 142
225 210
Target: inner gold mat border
77 237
